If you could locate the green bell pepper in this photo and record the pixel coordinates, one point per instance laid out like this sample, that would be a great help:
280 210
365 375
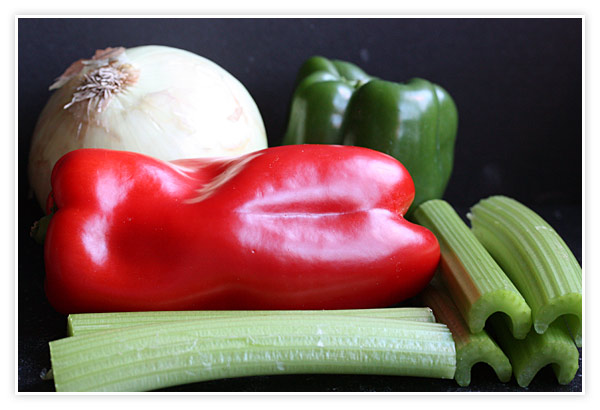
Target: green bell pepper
335 102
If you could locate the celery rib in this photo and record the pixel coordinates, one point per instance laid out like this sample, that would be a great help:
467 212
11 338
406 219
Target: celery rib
83 323
471 348
529 356
477 284
158 355
535 258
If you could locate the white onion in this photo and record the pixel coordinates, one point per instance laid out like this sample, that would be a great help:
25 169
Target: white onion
160 101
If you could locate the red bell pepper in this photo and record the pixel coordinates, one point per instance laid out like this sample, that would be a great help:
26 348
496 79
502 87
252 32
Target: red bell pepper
293 227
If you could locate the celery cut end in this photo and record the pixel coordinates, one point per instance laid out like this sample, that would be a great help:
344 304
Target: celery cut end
574 324
528 356
564 305
471 348
481 350
506 301
563 369
540 327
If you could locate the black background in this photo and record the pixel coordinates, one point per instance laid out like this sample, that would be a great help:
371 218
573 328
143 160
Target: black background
517 83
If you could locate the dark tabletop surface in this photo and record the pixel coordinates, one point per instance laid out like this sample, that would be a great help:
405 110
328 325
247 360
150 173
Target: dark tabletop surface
516 82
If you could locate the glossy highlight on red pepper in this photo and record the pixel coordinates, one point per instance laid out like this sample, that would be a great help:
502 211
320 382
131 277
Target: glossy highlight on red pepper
291 227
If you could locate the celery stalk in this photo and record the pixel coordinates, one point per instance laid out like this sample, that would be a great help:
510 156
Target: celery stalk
477 284
471 348
574 325
154 356
535 258
530 355
83 323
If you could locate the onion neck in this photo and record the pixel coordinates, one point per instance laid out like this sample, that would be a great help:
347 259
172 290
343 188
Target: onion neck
99 85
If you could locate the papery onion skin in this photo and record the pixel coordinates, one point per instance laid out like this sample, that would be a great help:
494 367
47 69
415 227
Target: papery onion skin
171 104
